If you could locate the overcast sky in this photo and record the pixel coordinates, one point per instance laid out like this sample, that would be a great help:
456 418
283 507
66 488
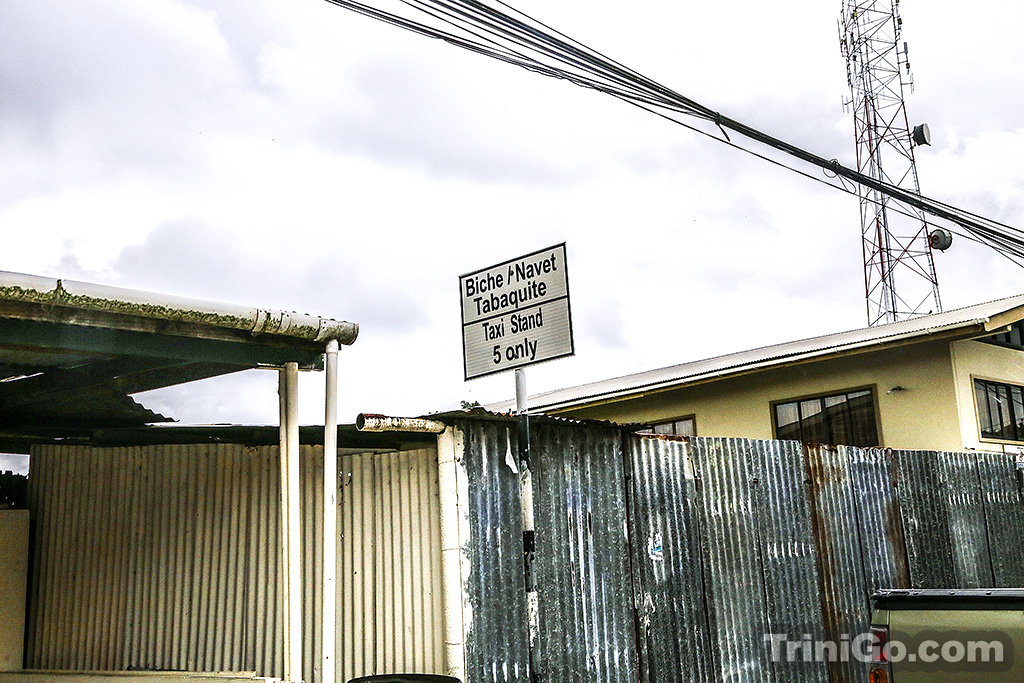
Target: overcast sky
291 154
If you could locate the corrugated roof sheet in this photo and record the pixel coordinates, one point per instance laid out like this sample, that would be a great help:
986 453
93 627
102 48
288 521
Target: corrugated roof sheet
85 296
978 315
72 353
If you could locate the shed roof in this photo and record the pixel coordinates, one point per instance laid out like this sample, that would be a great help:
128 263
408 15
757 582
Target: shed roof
971 321
71 353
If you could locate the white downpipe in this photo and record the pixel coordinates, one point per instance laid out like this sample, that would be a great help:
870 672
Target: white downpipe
327 666
291 522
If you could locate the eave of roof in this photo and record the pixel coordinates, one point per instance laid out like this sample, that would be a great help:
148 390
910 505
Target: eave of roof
71 353
965 322
85 303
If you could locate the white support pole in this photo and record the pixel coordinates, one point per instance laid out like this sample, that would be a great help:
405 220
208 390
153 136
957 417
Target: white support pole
521 397
327 666
283 554
292 529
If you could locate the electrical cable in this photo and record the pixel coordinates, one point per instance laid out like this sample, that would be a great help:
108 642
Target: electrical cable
516 38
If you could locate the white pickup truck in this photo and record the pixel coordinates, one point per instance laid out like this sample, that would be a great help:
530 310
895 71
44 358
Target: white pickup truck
935 636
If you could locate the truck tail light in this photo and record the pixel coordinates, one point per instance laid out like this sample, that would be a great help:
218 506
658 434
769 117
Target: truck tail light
880 670
879 641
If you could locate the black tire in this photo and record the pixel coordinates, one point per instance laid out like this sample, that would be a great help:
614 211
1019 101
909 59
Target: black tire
405 678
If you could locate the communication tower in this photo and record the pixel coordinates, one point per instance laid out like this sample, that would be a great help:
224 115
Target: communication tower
895 239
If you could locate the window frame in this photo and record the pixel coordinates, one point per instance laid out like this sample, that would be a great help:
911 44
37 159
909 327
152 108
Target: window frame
977 415
647 429
1016 327
872 389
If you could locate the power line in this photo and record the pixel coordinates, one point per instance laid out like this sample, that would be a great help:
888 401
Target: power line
516 38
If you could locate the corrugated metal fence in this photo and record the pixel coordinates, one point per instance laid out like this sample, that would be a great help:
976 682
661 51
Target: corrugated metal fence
166 557
581 565
663 559
657 559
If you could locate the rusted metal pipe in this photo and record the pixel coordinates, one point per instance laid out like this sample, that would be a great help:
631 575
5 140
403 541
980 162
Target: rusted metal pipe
369 422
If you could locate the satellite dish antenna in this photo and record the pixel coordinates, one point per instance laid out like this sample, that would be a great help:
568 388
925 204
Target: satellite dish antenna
940 239
922 135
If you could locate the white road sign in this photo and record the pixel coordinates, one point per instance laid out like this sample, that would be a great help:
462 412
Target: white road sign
516 313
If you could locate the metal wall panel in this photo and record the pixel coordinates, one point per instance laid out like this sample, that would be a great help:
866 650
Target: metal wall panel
788 555
582 564
143 558
167 557
669 592
925 520
1002 490
389 565
844 607
960 491
734 581
879 523
497 640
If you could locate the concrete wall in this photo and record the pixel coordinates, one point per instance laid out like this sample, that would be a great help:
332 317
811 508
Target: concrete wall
13 576
923 415
985 361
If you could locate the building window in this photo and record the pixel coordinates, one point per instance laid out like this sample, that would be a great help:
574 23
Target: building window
1013 337
847 418
684 426
1000 410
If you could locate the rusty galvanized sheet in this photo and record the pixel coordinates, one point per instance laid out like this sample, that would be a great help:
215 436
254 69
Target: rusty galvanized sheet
925 520
1001 491
788 556
734 581
497 644
958 472
839 530
879 519
582 559
669 597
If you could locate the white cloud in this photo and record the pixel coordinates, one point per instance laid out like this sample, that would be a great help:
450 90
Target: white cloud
295 155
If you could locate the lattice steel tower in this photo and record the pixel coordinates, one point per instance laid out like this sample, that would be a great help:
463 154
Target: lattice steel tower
896 241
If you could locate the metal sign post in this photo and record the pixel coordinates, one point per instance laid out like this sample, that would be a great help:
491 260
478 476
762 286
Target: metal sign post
516 314
526 506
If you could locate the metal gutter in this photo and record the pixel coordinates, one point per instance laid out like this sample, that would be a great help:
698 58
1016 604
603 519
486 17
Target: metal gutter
101 298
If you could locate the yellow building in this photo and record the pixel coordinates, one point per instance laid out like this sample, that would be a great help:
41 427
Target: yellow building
949 381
